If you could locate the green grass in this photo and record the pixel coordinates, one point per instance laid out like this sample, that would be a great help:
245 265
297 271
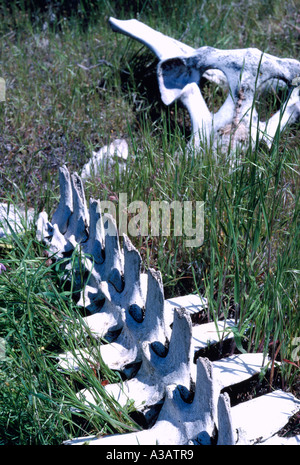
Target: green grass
36 398
57 112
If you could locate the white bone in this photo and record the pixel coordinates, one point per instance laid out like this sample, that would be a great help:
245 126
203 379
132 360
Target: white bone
95 244
162 46
65 207
107 156
226 434
245 69
79 220
44 229
143 321
211 333
157 370
130 287
125 349
192 303
179 421
158 360
138 327
236 123
147 387
237 368
14 218
262 417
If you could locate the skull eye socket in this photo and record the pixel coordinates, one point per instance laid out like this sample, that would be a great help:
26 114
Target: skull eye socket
270 97
214 88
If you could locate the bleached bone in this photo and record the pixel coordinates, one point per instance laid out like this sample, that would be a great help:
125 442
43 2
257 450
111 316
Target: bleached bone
162 46
237 368
125 349
158 370
98 278
109 269
253 422
160 367
95 244
262 417
113 276
94 236
180 419
74 225
14 218
65 207
45 228
211 333
143 322
236 124
226 434
192 303
105 268
69 224
110 316
79 219
106 157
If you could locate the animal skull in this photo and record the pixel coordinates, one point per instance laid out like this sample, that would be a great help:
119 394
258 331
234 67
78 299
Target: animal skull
246 72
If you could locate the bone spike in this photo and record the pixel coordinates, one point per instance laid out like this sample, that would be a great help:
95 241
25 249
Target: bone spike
160 44
183 421
154 321
204 400
65 207
113 259
225 429
181 337
58 242
155 294
132 264
78 222
142 323
94 245
174 367
157 371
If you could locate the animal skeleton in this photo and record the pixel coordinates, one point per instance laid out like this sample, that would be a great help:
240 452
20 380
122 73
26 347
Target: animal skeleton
245 72
153 344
